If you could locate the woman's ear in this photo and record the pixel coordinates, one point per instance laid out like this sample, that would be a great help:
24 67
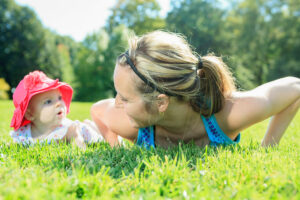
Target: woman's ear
28 115
162 102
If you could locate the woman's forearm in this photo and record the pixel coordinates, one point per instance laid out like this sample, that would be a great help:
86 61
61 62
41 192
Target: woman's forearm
107 134
279 123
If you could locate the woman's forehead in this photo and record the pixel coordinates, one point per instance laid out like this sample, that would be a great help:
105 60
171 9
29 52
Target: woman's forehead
124 81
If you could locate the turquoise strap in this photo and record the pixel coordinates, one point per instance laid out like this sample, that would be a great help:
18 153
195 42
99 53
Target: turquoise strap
215 133
146 137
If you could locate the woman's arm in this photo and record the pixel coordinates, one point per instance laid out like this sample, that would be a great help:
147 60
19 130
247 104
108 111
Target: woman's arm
279 123
278 99
112 122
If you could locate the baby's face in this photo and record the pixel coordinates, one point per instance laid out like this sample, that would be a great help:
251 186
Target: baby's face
47 108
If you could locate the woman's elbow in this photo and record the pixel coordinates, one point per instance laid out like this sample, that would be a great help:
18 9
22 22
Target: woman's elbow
295 84
94 109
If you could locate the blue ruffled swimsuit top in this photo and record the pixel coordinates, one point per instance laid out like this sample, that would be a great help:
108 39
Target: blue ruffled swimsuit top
215 134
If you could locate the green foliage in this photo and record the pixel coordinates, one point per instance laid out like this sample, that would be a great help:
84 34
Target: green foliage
286 26
67 69
95 63
141 16
70 43
204 23
25 44
118 43
60 171
259 40
48 60
89 63
251 33
95 60
201 22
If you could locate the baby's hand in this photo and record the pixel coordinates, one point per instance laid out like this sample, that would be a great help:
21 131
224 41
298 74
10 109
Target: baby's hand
73 134
92 125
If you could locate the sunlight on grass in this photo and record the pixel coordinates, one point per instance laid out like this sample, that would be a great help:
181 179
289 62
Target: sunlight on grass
60 171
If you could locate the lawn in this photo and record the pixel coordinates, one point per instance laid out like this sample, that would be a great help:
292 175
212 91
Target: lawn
60 171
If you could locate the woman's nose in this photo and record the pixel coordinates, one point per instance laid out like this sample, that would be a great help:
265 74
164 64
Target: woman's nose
118 102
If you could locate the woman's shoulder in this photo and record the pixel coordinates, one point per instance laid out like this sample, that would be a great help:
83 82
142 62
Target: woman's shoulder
227 117
103 105
106 110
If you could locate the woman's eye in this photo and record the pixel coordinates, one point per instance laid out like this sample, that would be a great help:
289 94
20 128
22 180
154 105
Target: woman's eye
125 100
60 98
49 101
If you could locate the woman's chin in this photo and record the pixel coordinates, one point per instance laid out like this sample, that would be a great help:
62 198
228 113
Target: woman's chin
138 125
134 124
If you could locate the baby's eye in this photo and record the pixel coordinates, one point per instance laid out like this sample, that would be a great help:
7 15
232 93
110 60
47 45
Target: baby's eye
49 101
60 98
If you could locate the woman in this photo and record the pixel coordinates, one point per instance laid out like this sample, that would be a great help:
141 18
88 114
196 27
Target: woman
166 93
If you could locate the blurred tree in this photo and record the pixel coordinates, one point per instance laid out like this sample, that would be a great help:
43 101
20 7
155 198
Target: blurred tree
118 43
95 63
70 44
68 50
285 22
201 21
251 40
25 45
48 59
88 65
67 69
21 37
141 16
265 40
260 38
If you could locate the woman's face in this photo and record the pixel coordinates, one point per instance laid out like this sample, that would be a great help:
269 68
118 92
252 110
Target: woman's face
129 99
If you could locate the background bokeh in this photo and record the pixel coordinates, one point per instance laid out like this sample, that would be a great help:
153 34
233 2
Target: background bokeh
259 40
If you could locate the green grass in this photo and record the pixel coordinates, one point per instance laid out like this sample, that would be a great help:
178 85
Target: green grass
245 171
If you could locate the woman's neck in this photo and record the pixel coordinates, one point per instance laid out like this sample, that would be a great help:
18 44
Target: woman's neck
179 118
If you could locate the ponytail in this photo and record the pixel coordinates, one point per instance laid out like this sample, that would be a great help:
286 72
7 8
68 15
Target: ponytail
216 83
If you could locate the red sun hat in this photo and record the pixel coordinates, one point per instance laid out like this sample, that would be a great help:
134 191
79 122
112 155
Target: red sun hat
34 83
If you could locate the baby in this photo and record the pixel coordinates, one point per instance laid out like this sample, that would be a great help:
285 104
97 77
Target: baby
41 105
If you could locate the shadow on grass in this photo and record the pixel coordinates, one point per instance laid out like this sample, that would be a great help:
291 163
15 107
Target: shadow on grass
118 161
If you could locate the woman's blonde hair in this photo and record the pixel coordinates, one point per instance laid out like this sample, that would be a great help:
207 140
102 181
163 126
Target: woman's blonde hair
169 63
